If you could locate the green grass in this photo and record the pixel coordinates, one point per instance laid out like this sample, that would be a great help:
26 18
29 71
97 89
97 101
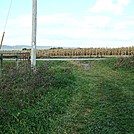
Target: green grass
68 99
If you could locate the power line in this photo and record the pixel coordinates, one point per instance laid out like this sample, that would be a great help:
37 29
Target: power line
5 24
8 15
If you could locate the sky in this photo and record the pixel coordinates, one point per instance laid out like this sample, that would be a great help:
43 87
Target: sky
70 23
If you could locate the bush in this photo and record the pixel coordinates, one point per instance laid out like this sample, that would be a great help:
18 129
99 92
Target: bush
125 63
20 82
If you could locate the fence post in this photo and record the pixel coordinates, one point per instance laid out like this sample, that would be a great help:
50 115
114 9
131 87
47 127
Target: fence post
1 64
17 62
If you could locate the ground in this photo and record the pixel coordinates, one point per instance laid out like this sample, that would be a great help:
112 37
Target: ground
68 98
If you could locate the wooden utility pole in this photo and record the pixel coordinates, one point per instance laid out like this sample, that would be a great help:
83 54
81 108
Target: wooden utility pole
2 40
34 31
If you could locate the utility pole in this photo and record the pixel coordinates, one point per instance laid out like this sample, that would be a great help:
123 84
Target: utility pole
34 31
2 39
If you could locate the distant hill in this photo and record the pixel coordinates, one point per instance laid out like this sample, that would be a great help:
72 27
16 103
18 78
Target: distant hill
20 47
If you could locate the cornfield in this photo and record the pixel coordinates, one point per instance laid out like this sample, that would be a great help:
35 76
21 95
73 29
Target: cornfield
86 52
79 52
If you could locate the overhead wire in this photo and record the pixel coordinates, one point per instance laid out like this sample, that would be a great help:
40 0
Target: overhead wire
8 15
6 23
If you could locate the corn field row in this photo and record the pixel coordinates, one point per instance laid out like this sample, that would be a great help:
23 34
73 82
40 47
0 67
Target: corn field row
86 52
78 52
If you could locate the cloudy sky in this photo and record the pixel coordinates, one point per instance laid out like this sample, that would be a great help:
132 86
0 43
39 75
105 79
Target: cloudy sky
70 23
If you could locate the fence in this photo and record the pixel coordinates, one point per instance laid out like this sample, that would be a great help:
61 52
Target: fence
14 55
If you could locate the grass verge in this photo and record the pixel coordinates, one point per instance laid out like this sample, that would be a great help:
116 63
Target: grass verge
64 97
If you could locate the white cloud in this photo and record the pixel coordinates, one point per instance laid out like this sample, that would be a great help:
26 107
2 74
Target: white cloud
82 31
87 43
73 27
124 24
96 21
123 2
54 18
109 6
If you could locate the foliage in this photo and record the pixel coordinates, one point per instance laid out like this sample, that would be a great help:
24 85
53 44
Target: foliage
125 62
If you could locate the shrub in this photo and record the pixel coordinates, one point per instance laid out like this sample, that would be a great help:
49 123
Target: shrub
22 81
125 62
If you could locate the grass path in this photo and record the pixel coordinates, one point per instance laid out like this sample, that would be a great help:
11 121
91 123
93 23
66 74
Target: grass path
103 102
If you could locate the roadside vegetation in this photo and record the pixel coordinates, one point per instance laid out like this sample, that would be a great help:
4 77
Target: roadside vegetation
67 97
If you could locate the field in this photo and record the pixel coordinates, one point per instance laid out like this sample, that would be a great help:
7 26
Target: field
68 97
72 52
86 52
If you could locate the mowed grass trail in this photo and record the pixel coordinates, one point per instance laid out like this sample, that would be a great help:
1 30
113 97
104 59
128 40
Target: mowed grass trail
67 98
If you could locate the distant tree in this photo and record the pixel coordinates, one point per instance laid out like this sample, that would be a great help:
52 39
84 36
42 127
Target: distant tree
56 48
24 48
60 48
53 48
